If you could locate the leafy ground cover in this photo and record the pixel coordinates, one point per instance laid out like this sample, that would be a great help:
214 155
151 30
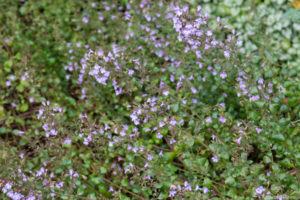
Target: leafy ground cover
149 100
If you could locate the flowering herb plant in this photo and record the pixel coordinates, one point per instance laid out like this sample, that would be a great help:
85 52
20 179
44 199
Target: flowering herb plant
167 108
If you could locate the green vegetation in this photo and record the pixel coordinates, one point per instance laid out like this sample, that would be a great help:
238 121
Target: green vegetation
140 99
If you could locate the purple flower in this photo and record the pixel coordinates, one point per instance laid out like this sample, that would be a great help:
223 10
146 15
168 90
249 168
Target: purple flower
270 84
223 75
161 124
160 53
148 17
59 185
147 129
172 141
222 119
135 118
67 141
208 120
172 193
14 195
198 54
6 187
254 98
150 157
178 11
111 189
12 77
213 137
258 130
205 190
172 78
260 190
160 153
181 121
21 132
214 42
166 92
209 33
8 83
238 140
222 104
85 20
123 133
185 8
7 40
239 43
173 122
187 186
199 8
130 72
135 149
194 90
200 65
227 53
159 136
31 197
215 159
41 172
261 81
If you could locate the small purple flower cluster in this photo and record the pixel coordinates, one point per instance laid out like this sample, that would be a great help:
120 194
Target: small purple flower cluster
159 95
9 192
263 89
45 114
196 35
176 190
260 190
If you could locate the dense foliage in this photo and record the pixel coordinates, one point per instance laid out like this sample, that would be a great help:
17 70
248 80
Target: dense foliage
146 99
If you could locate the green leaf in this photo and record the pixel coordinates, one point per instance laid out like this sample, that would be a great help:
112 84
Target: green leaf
125 182
2 130
23 141
292 14
1 111
163 196
229 181
24 107
267 159
175 107
80 190
7 65
260 104
189 142
254 115
170 156
103 170
278 136
207 183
